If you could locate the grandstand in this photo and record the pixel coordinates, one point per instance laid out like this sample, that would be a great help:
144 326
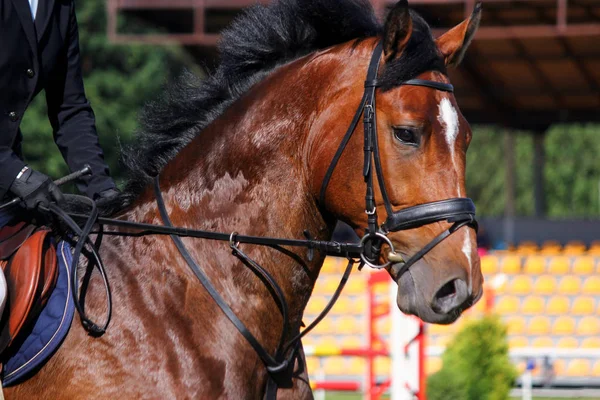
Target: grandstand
549 298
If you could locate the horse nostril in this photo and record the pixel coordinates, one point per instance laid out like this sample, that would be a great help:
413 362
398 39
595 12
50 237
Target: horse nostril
450 296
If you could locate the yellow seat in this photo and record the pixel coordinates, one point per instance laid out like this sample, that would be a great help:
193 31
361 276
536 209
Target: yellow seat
356 285
343 306
560 367
533 305
518 342
351 342
515 325
538 325
325 327
315 305
588 326
591 285
583 305
542 341
569 285
520 284
507 305
545 284
535 265
359 305
384 326
433 365
594 250
574 249
441 340
334 366
568 343
327 284
356 366
563 325
434 329
527 244
348 324
313 364
327 341
489 264
383 366
331 265
511 264
591 343
558 305
596 368
559 265
579 368
583 265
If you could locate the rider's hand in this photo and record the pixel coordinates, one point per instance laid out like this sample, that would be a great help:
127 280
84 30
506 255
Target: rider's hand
107 196
35 189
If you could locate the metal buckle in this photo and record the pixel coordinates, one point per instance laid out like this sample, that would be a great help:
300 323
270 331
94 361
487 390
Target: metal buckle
373 236
372 212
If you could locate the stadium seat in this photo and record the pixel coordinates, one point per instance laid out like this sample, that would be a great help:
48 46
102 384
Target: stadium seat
515 325
559 265
507 305
596 368
313 365
327 284
570 285
331 265
563 325
351 342
515 342
326 340
535 265
441 340
334 366
533 305
560 367
590 343
568 343
325 327
538 325
356 285
384 326
343 306
433 365
434 329
359 305
381 288
551 244
594 250
588 326
520 284
574 248
349 324
545 284
583 265
542 341
511 265
583 305
489 264
558 305
356 366
315 305
383 366
591 285
579 367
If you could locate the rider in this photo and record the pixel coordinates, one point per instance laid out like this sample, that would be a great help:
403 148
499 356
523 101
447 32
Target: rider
40 50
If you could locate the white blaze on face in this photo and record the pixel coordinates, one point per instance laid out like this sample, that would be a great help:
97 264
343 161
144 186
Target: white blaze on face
448 118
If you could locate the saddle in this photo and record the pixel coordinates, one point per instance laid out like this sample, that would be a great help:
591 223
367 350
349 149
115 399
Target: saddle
28 259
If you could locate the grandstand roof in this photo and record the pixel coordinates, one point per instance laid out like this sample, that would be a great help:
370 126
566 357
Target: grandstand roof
533 63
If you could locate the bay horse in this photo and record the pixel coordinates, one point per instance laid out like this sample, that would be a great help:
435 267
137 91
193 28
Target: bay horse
247 150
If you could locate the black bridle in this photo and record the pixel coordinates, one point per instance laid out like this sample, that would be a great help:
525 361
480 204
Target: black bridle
459 211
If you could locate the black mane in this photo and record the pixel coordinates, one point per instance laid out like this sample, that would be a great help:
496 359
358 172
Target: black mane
260 40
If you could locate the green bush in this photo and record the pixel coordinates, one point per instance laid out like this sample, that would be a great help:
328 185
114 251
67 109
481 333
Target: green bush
476 365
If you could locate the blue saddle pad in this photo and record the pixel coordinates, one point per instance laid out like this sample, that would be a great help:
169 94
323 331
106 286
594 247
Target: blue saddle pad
50 328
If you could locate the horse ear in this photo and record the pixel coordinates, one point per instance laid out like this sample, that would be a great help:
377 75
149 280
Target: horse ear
397 30
454 43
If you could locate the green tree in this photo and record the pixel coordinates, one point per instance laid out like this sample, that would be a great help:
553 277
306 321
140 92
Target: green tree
476 365
118 79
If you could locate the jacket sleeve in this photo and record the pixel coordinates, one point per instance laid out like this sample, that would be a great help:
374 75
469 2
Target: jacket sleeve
11 166
72 117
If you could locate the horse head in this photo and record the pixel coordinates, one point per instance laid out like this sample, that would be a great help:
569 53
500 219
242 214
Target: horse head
422 139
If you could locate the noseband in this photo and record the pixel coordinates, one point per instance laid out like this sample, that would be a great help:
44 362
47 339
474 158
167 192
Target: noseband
458 211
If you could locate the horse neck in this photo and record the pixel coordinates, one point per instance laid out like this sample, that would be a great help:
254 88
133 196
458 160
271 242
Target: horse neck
249 172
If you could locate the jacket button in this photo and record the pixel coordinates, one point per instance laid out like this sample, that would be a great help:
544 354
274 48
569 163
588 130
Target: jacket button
30 73
13 116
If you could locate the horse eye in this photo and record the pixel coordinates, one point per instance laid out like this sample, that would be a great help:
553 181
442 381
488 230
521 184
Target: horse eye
406 135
